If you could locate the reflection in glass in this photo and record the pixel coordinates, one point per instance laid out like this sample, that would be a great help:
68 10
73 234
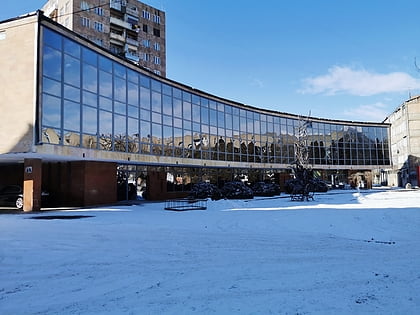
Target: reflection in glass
52 38
71 70
51 86
89 56
72 116
89 120
89 141
120 70
90 99
167 105
105 103
105 84
156 102
52 63
145 98
133 94
90 81
120 89
177 107
51 111
71 139
71 93
105 64
120 108
51 135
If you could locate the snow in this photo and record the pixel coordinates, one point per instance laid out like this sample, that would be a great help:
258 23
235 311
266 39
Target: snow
346 252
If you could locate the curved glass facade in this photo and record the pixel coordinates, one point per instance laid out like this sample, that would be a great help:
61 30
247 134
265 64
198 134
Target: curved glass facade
89 100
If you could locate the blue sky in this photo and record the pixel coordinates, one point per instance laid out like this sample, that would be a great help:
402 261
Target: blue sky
351 60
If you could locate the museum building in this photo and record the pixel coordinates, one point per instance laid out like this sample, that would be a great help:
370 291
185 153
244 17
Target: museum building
91 127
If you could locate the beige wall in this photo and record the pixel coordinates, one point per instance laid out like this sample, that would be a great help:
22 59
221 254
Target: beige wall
17 77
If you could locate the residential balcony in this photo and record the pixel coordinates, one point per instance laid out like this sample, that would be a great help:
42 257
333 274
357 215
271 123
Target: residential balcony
132 42
115 4
132 11
132 56
121 23
117 37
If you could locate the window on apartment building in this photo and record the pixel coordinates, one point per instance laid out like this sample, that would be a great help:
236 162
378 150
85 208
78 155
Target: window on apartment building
157 60
99 11
98 26
146 57
146 43
84 5
156 18
145 28
156 32
157 72
85 21
98 41
156 46
146 15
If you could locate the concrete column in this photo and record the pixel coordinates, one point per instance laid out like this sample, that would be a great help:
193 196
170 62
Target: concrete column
32 184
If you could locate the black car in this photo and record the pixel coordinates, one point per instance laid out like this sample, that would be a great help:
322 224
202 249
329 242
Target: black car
12 195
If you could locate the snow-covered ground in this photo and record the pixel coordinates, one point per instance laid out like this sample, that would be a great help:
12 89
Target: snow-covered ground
343 253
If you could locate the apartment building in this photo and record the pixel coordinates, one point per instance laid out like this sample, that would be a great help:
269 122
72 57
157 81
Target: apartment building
128 28
405 144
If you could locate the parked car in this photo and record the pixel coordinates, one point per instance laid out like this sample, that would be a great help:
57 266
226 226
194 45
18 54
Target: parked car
12 195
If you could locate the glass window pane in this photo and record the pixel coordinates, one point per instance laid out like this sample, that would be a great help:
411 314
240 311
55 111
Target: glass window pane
52 63
133 127
105 84
51 111
119 126
177 93
157 133
187 110
52 38
89 56
105 64
105 103
133 111
167 105
133 94
144 98
71 71
90 99
71 116
166 89
90 80
156 86
156 102
71 48
119 70
89 120
51 86
157 118
71 93
120 89
145 131
133 76
145 81
145 114
177 106
105 123
196 113
120 108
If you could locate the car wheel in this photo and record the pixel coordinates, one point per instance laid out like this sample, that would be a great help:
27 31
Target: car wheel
19 203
